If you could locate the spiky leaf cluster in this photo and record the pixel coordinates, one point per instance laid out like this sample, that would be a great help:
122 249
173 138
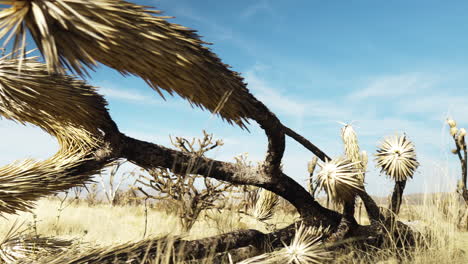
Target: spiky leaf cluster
264 207
396 156
64 107
77 34
306 247
352 151
340 179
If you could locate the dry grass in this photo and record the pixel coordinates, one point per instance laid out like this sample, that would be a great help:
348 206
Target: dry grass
105 226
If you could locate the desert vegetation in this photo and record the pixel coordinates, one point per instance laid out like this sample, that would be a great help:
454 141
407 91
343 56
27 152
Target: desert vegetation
184 207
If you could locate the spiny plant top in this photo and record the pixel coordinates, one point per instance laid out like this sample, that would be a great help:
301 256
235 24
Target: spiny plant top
340 179
396 156
350 143
264 207
41 99
306 247
351 147
77 34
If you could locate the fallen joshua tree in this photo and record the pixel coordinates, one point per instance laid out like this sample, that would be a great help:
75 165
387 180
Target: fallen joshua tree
78 34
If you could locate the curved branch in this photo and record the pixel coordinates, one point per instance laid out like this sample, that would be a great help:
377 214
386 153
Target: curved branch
276 139
306 143
149 156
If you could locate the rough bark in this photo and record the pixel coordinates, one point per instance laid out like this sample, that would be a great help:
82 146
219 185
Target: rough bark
397 197
461 152
239 244
463 160
306 143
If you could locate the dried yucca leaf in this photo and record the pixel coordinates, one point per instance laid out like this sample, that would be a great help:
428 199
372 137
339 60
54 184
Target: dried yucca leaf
340 179
26 248
15 247
306 247
151 250
64 107
396 156
76 34
351 147
265 205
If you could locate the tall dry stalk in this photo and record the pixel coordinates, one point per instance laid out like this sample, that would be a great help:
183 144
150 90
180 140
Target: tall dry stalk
112 188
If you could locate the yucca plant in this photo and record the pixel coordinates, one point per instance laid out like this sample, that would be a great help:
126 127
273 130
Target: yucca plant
352 150
41 99
340 179
264 207
396 156
305 248
16 246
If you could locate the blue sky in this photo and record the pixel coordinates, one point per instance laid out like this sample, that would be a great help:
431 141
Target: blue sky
386 66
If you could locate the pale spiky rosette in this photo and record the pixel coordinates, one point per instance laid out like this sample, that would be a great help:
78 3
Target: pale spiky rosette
129 38
64 107
396 156
16 246
265 205
340 179
306 247
351 147
27 247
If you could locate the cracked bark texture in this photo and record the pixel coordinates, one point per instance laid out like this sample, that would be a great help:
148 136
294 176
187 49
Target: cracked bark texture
397 197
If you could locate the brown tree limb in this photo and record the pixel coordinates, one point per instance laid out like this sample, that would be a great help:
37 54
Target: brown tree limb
240 244
306 143
276 139
149 156
397 197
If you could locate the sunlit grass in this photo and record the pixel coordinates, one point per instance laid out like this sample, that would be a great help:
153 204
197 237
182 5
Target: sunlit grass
101 225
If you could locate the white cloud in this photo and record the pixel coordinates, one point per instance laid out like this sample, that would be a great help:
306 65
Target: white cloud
272 98
110 90
330 110
437 105
395 86
148 97
259 6
122 94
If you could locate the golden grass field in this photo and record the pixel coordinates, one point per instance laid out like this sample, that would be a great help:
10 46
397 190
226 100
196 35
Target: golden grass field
104 226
